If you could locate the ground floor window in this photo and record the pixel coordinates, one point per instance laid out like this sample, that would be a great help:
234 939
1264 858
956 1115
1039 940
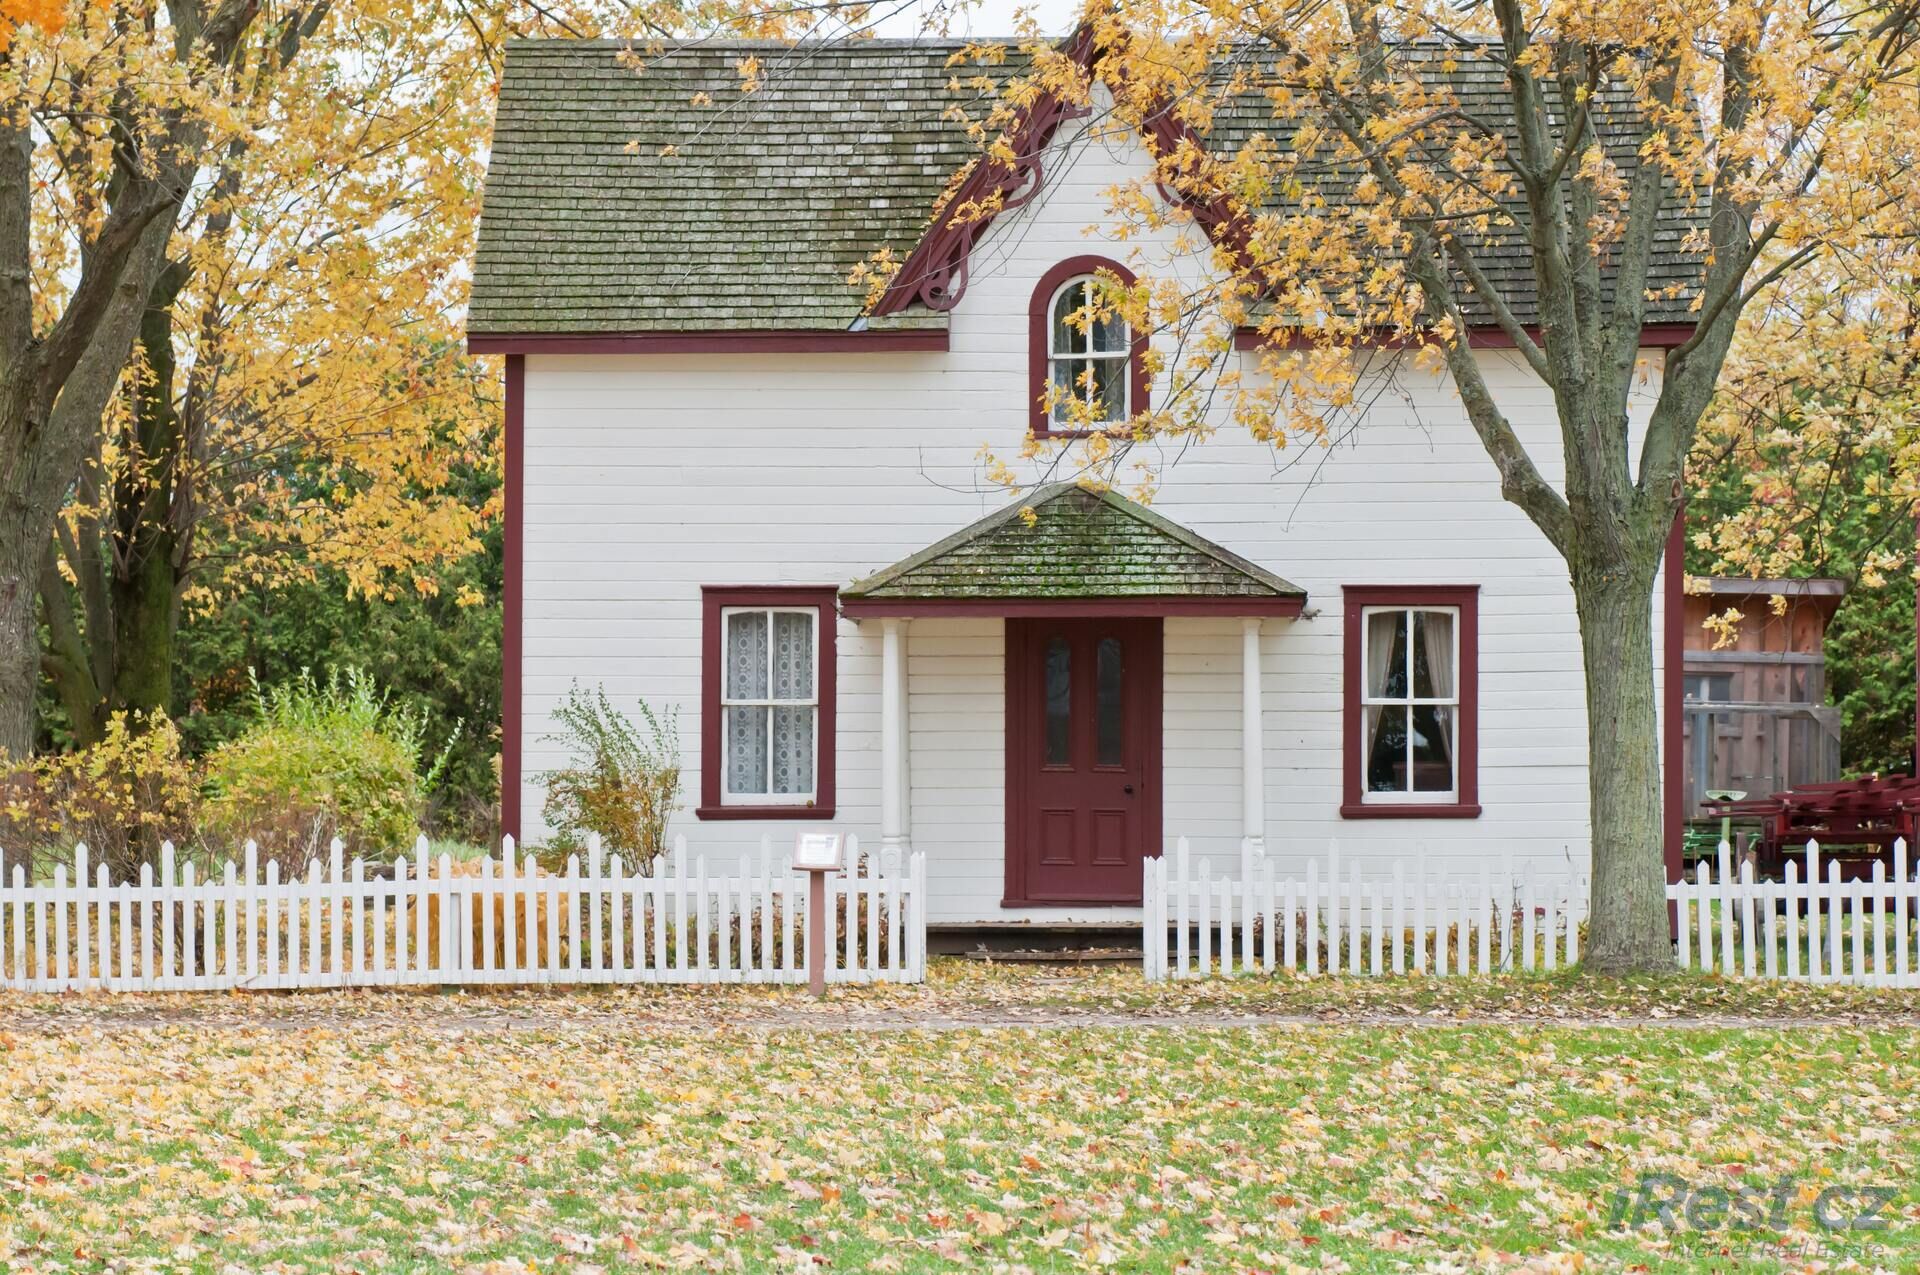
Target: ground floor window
1410 685
767 702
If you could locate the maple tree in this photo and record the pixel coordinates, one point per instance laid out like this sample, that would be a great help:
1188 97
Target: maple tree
1361 212
1808 463
274 379
297 396
112 111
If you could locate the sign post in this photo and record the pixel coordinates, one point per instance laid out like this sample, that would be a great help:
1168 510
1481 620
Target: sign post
817 854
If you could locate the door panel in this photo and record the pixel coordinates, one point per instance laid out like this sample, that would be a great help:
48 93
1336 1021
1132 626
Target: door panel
1083 758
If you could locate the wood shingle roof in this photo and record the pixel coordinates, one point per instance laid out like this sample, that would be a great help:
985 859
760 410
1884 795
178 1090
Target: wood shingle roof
1080 545
666 200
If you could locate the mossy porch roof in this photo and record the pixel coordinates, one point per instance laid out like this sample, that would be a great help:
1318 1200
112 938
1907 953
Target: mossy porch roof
1080 544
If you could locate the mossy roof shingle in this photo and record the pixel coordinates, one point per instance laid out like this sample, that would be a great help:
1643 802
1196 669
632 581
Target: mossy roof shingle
1080 544
769 199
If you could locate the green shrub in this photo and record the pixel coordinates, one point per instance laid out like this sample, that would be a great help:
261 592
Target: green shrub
323 760
619 782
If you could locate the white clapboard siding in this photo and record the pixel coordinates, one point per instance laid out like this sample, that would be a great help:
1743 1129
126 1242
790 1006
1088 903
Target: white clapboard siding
434 921
1811 926
826 468
1344 920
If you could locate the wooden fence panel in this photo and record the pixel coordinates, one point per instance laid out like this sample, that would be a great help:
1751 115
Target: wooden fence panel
425 921
1811 927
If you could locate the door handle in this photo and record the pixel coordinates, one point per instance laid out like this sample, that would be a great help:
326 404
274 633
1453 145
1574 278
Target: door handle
1128 790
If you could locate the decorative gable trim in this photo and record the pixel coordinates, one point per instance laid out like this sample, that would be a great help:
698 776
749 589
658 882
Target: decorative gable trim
935 272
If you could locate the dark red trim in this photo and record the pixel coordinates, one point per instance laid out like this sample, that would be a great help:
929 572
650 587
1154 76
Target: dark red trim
713 663
1039 343
1673 698
1353 804
1091 608
1225 226
1408 810
935 272
512 592
1654 336
724 341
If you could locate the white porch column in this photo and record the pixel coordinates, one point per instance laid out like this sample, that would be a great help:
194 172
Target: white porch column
1253 764
893 734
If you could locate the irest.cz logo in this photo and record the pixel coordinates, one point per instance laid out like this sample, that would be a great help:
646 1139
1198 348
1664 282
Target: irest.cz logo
1674 1203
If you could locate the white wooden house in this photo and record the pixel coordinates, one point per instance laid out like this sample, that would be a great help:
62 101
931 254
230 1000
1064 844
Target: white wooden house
735 488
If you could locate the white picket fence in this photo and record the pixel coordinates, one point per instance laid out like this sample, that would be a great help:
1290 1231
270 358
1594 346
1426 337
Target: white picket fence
1196 923
1804 928
438 921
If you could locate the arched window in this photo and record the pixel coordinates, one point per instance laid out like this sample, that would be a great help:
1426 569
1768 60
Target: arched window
1086 361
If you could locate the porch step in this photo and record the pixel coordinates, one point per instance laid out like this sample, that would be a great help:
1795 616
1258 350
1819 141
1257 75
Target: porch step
1057 956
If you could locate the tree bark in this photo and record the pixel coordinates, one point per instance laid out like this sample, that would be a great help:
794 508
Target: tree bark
19 638
54 385
1614 599
144 590
52 451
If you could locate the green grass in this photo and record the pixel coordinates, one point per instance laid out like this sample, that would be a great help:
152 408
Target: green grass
610 1144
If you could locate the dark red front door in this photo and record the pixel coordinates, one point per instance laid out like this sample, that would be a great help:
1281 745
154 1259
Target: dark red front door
1083 758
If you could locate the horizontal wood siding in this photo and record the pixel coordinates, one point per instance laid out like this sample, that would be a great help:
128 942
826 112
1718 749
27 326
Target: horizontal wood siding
648 476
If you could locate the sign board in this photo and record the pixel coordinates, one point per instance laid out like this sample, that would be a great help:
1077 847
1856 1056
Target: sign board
817 852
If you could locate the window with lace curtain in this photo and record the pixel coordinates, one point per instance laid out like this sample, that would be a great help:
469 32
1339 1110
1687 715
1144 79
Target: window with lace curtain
1412 683
769 705
766 733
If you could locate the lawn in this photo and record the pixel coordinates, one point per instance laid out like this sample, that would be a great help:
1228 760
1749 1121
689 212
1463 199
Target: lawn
583 1130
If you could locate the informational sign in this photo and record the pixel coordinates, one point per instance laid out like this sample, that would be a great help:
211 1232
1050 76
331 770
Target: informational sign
817 852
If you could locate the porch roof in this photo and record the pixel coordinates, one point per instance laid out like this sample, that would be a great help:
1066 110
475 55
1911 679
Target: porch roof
1083 553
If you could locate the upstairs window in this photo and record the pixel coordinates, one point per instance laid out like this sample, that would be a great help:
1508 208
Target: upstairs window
1088 358
1087 366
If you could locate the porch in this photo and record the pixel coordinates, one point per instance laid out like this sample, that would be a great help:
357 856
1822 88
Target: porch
1081 599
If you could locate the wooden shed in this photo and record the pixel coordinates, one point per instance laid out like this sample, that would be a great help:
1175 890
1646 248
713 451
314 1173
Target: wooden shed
1756 713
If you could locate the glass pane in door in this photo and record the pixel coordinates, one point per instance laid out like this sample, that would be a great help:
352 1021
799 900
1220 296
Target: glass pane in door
1057 676
1109 746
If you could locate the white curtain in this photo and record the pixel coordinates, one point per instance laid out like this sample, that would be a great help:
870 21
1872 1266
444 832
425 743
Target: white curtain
1436 631
747 679
793 680
1382 628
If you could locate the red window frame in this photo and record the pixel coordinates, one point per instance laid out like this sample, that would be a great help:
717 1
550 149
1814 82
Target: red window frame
1039 332
1358 597
714 599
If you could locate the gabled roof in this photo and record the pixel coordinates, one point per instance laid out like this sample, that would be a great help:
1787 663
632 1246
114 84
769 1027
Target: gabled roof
1080 546
753 223
766 201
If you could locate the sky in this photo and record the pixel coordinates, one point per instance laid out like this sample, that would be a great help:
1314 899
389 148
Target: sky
986 18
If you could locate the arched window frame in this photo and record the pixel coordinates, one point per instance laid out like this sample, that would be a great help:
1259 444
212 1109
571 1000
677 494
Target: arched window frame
1040 352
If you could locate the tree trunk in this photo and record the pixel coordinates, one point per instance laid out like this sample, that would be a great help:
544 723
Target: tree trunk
145 582
1629 930
19 630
